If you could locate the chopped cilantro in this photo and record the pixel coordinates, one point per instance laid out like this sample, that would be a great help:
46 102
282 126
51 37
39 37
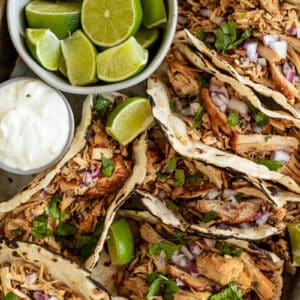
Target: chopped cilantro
233 118
179 178
239 197
227 249
9 296
172 163
212 215
173 106
259 117
177 238
107 166
159 281
267 137
66 229
201 34
161 176
52 209
227 36
101 105
40 227
17 232
232 292
204 82
272 165
194 177
167 248
256 284
171 204
197 120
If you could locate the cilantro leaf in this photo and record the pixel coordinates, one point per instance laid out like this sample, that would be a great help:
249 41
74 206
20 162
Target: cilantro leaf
259 117
227 249
268 137
107 168
101 105
233 118
177 238
179 178
66 229
197 120
167 248
9 296
171 204
272 165
52 209
161 176
173 106
201 34
239 197
17 232
193 178
232 292
204 82
172 163
210 216
40 229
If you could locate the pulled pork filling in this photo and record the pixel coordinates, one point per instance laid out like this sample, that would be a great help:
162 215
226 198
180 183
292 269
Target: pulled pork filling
27 281
266 47
67 215
203 194
219 116
169 265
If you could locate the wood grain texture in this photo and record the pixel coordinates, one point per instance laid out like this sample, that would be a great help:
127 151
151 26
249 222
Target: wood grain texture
8 54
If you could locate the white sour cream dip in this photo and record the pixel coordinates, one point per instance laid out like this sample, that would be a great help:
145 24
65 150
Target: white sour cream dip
34 124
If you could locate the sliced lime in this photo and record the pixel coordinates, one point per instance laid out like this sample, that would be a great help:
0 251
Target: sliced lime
62 67
121 242
294 232
129 119
154 13
80 58
121 62
109 22
44 47
147 37
62 18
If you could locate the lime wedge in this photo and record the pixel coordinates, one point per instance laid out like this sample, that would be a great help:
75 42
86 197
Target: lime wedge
62 18
154 13
62 67
121 62
294 232
147 37
109 22
129 119
121 242
44 47
80 59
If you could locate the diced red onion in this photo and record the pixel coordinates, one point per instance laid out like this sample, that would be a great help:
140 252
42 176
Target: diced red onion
223 108
182 19
298 32
245 225
209 242
281 156
292 30
213 194
262 61
31 278
269 38
257 129
194 107
162 256
217 20
238 106
262 218
53 298
179 282
161 195
40 296
176 257
297 79
96 173
226 208
289 72
206 13
251 50
218 90
186 252
195 249
280 47
193 270
88 179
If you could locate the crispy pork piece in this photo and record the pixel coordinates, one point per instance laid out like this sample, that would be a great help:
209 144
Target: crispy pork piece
184 295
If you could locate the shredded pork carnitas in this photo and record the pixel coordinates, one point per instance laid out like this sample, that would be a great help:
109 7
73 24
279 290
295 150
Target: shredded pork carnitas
27 281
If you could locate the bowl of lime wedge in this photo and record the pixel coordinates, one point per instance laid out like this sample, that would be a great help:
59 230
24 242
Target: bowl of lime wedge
92 46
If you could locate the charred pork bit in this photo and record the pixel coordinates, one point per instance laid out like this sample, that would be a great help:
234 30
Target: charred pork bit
198 283
271 6
261 143
292 168
185 295
149 234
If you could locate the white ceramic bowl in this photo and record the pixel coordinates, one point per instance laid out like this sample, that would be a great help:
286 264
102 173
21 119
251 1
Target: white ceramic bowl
67 143
17 23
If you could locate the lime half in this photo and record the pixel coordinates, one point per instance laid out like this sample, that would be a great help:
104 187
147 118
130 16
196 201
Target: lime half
147 37
80 59
121 242
62 18
121 62
129 119
109 22
154 13
294 232
45 47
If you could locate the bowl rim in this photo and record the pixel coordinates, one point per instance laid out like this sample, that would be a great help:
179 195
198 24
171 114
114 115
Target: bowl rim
68 140
164 47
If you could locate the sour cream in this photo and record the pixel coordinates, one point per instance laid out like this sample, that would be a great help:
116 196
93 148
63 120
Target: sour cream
34 124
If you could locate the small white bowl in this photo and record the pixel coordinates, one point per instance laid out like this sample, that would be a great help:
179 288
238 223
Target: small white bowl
17 24
68 140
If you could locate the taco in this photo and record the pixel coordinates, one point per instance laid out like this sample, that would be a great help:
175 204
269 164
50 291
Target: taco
28 271
254 41
216 119
169 264
70 208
